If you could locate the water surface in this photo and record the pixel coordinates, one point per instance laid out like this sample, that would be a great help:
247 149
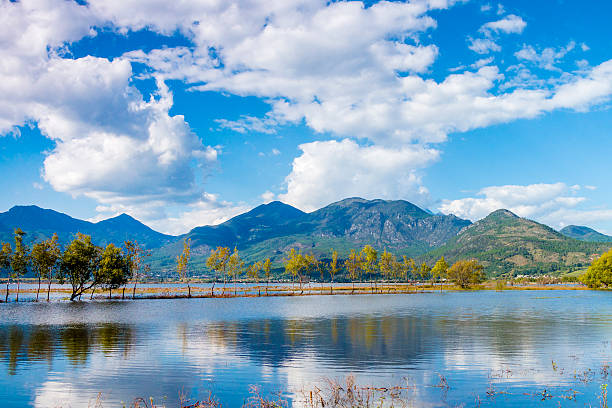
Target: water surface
511 344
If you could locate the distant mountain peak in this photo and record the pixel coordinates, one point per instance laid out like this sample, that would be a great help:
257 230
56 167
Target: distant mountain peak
583 233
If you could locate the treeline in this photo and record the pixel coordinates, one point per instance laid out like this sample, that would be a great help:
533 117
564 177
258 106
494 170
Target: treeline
88 267
81 263
366 264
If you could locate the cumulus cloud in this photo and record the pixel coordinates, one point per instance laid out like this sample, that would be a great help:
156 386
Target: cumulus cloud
556 204
346 69
112 144
511 24
333 170
341 68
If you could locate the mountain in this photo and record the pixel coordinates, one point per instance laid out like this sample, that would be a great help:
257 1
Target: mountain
270 230
505 243
585 234
40 223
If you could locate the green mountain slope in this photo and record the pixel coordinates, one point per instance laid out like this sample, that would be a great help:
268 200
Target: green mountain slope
507 244
270 230
585 234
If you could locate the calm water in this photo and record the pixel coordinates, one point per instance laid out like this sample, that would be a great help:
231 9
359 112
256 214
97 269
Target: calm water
63 354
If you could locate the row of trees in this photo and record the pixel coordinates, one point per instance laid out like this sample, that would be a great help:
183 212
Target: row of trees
82 264
365 264
87 266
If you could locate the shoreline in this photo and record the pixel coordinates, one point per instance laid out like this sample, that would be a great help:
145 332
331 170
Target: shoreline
179 291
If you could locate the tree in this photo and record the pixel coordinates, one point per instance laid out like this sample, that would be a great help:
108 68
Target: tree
439 270
369 258
79 264
296 264
45 259
135 256
466 273
385 264
114 269
253 273
409 267
266 270
182 264
217 262
424 271
333 269
600 272
235 265
6 254
21 258
353 265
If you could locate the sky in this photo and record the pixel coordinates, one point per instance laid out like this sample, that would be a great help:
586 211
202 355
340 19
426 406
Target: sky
187 113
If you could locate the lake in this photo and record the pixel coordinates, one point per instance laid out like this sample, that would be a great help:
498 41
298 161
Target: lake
510 348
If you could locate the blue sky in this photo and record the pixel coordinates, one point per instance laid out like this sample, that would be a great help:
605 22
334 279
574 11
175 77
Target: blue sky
186 114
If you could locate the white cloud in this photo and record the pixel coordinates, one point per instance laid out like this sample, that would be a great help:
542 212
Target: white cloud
208 209
526 201
555 204
333 170
111 143
339 67
275 152
545 59
483 45
248 124
268 196
511 24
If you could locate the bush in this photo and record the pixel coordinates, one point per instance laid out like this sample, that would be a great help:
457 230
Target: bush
466 273
600 272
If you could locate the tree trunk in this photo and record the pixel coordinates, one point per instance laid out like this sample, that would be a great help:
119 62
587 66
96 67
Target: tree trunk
212 289
188 290
38 290
18 281
331 286
8 281
110 293
49 287
92 293
134 291
353 291
267 284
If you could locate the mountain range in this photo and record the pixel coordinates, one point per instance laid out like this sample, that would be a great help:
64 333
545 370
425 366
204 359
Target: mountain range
503 242
40 223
